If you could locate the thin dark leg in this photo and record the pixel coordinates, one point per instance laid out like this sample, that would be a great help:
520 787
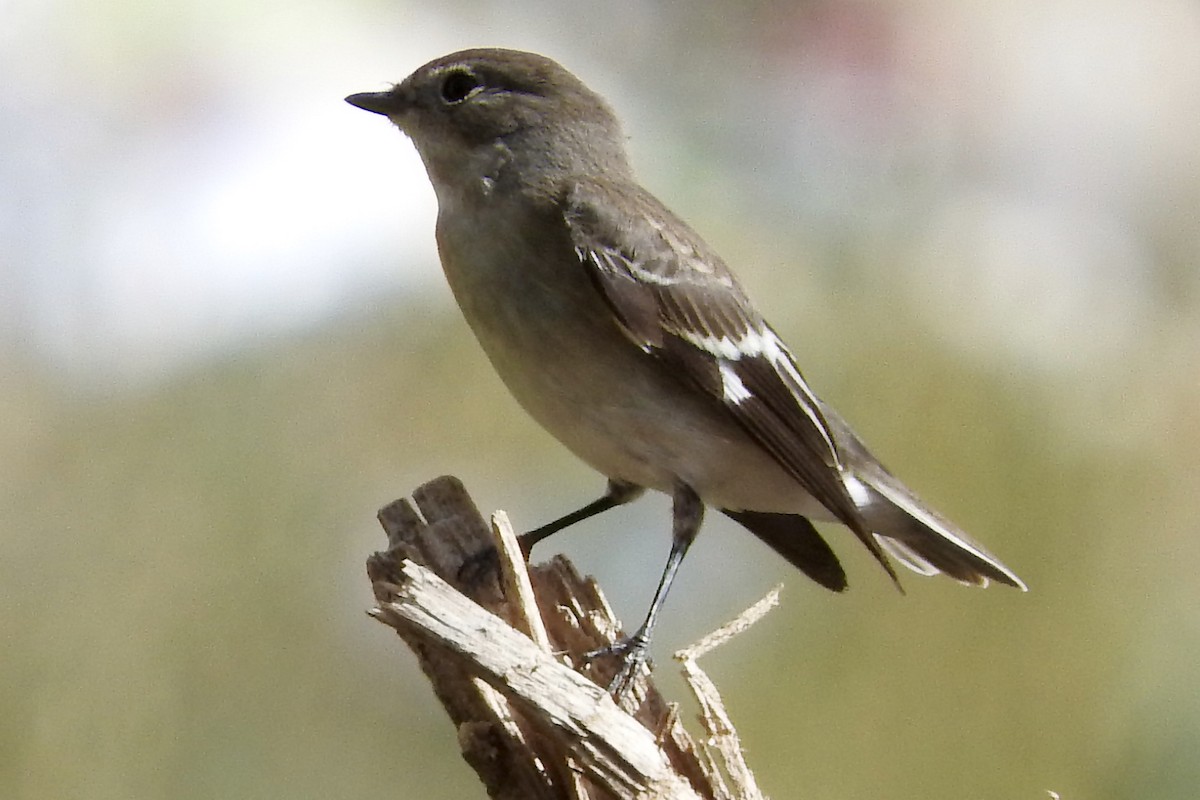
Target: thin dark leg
687 513
484 562
618 494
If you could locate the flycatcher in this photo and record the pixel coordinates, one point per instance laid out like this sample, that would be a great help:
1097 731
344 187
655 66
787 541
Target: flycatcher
625 335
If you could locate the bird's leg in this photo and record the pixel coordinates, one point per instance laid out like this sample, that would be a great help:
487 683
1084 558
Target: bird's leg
687 513
618 493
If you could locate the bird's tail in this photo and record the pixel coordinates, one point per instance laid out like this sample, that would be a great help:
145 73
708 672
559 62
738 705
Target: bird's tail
920 538
905 527
794 537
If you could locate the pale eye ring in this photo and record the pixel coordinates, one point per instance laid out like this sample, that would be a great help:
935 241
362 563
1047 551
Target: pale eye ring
459 84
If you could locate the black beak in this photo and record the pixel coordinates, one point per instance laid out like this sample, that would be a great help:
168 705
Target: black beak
386 103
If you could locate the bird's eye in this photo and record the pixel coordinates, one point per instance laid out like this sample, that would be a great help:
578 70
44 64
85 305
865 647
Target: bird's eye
459 85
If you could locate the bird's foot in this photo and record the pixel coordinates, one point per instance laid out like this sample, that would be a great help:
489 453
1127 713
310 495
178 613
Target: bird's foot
634 655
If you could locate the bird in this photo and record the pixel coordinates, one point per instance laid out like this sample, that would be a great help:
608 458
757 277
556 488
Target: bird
626 336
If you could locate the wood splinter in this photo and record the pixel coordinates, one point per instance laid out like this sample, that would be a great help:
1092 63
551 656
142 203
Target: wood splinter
499 650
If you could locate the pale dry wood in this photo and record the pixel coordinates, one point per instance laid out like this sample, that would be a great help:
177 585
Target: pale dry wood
717 723
612 746
528 723
516 582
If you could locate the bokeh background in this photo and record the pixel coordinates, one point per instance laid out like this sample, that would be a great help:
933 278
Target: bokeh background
225 341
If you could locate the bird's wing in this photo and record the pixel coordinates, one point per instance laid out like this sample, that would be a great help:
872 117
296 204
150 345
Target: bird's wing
676 299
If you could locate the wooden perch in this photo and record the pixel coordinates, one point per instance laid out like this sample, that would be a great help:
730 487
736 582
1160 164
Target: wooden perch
504 649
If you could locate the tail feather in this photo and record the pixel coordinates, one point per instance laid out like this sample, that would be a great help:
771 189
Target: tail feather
794 537
892 520
906 556
923 540
909 530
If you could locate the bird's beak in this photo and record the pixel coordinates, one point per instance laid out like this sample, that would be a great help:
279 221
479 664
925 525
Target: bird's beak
386 103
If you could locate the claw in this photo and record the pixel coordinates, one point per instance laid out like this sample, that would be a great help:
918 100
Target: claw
634 654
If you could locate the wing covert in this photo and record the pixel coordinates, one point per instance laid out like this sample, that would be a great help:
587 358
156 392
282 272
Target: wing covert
675 299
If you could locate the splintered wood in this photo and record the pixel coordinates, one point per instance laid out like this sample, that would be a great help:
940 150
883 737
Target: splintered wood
502 644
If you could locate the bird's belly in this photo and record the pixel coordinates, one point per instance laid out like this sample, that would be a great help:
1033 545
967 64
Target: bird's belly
561 352
628 418
658 448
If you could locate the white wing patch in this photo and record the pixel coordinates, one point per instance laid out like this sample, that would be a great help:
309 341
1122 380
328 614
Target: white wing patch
751 344
732 388
764 344
858 492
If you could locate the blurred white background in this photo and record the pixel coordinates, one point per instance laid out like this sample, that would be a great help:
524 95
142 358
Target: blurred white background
226 341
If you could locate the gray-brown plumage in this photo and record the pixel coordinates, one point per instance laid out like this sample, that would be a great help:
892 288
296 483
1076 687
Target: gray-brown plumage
627 337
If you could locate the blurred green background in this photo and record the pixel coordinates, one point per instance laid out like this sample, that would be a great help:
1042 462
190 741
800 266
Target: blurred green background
225 342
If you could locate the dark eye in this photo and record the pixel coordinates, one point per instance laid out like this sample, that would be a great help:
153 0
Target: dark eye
459 85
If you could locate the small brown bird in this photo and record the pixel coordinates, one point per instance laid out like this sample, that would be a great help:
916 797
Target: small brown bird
627 337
